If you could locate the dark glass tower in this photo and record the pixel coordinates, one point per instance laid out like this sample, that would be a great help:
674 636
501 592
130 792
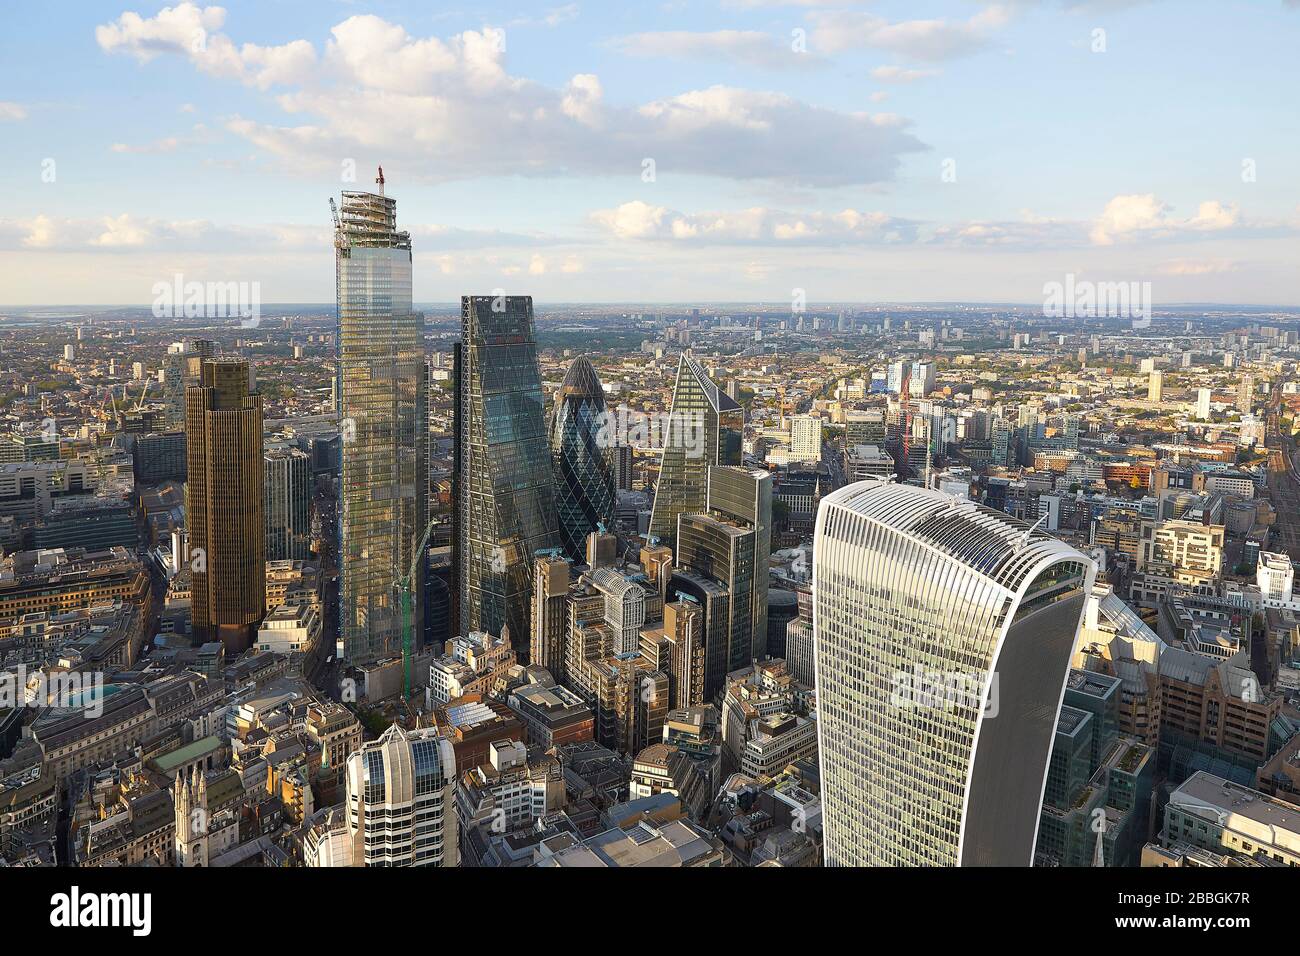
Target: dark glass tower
505 492
705 429
288 503
731 544
584 476
224 505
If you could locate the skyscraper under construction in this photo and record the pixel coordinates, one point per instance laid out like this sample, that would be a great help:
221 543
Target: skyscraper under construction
382 398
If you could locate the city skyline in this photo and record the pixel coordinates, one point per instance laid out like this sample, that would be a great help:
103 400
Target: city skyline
724 564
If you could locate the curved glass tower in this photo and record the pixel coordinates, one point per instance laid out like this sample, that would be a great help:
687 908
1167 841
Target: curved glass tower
942 634
584 477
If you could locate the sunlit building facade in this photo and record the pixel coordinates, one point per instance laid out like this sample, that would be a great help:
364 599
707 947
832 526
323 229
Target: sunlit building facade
705 428
943 632
401 805
382 395
224 506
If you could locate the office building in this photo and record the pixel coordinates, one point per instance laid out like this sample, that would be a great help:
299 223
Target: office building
1217 815
401 800
705 429
730 543
867 461
505 508
1275 575
584 478
920 599
288 504
180 370
224 505
382 399
806 438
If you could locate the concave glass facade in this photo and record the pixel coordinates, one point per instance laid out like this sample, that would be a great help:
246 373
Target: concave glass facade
942 634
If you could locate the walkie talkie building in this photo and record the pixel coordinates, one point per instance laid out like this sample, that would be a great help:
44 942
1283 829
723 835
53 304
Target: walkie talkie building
943 632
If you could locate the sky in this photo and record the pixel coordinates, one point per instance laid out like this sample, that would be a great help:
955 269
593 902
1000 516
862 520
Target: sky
688 150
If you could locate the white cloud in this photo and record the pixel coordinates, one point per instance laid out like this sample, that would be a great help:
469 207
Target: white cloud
928 40
1198 267
443 109
631 220
12 111
1144 214
582 98
189 30
749 47
757 225
129 232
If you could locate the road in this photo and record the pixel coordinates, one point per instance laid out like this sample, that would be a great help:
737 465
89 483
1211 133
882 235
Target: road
1283 487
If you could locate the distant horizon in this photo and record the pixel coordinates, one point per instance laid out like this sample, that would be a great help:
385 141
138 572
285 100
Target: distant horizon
684 303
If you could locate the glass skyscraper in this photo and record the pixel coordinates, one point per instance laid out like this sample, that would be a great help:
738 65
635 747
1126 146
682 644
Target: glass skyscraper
288 503
943 632
504 488
382 396
731 544
584 473
705 428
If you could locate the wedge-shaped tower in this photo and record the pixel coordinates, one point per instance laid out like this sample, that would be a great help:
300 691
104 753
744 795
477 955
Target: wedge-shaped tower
943 632
705 428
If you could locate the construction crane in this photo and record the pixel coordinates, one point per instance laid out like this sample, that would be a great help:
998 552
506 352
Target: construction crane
403 588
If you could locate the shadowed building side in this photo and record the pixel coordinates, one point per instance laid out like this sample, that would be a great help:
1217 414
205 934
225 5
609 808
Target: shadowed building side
942 634
505 490
584 475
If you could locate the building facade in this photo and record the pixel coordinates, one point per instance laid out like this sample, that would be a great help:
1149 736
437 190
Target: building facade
224 506
705 429
401 800
382 398
505 508
920 599
584 472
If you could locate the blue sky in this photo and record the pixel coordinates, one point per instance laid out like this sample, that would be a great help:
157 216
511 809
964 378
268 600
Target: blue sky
859 151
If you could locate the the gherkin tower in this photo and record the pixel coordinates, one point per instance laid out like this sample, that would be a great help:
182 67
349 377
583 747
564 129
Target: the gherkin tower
584 478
